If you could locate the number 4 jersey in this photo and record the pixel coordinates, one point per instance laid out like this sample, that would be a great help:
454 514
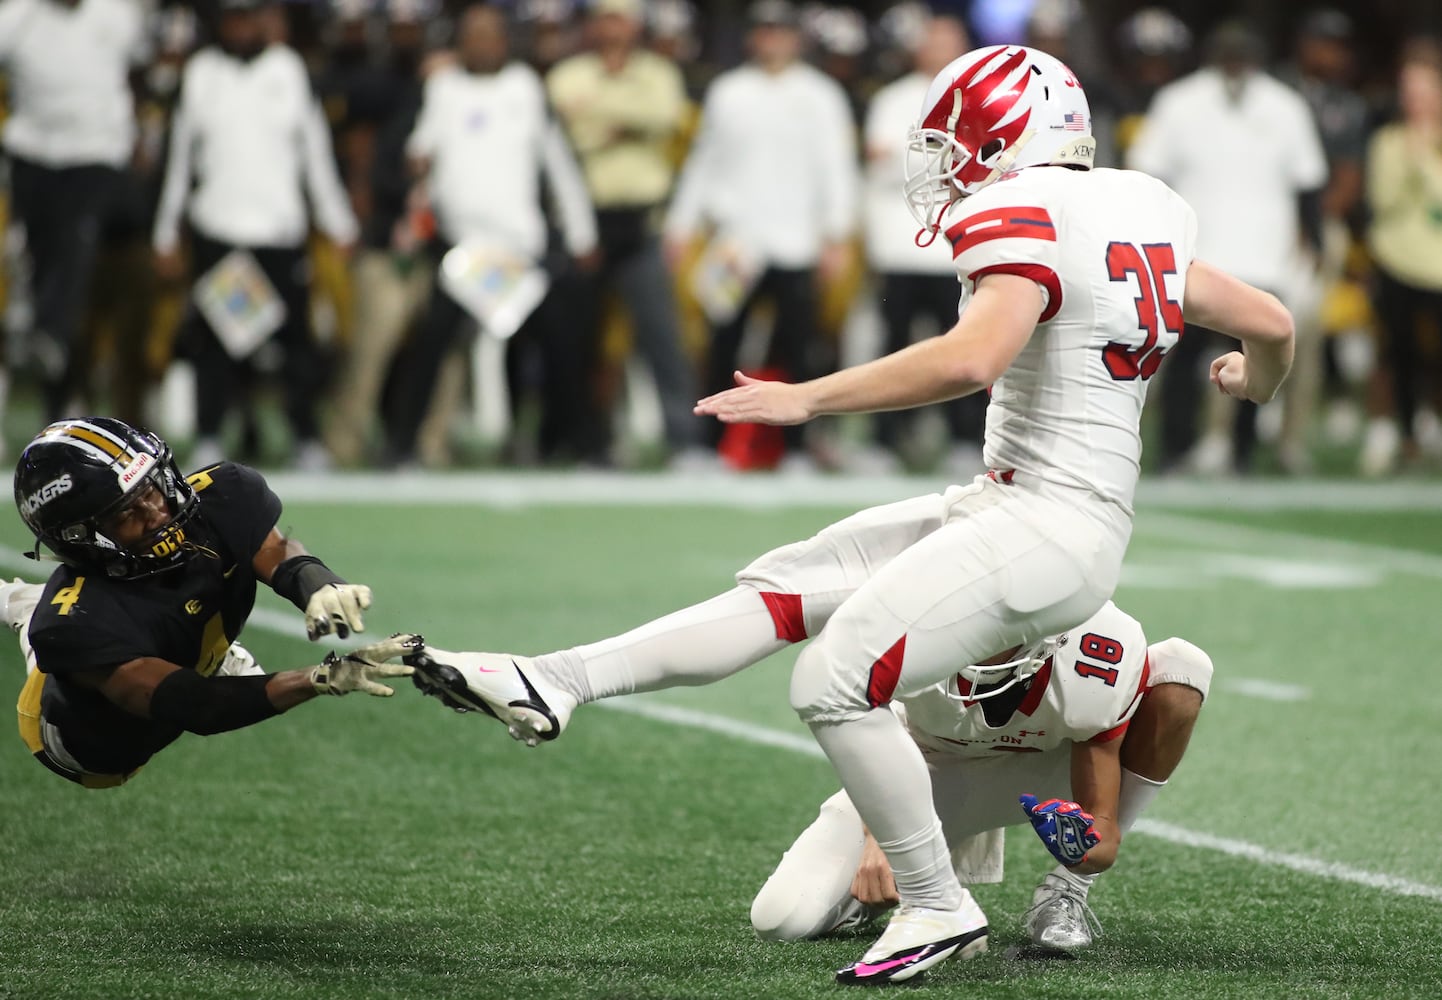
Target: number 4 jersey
1110 251
1087 690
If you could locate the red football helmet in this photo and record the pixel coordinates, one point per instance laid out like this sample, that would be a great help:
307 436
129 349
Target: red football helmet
993 110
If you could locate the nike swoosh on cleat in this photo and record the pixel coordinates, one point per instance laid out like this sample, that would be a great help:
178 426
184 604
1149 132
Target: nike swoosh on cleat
538 703
865 972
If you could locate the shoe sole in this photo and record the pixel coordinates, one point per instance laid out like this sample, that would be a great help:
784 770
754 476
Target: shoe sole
966 946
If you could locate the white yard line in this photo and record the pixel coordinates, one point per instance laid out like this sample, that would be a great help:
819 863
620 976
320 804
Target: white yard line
1330 870
1179 528
1295 862
762 491
1255 687
1227 536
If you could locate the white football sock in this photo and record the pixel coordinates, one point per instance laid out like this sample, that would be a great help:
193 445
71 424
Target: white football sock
887 780
696 645
1136 795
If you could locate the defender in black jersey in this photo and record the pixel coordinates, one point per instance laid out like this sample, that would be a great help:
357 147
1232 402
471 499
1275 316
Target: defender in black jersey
132 640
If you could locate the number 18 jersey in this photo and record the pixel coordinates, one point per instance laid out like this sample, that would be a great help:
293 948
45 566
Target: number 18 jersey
1110 251
1086 691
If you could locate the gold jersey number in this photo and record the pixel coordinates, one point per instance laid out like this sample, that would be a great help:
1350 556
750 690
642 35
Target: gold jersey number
66 597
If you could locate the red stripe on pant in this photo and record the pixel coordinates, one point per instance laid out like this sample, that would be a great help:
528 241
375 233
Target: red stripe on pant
786 614
885 673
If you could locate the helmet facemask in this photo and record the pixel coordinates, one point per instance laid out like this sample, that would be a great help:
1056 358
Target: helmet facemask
937 174
165 548
982 682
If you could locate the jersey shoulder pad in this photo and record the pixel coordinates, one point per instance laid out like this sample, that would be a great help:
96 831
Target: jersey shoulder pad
82 624
1104 669
1007 228
238 504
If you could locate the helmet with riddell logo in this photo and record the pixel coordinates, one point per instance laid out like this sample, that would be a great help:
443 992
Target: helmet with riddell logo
78 476
991 111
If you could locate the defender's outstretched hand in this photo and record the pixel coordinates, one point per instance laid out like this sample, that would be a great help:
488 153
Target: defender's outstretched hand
1064 827
359 669
757 401
337 606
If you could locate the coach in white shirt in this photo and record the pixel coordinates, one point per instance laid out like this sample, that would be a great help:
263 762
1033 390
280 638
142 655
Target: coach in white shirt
915 281
1243 149
249 134
483 140
774 171
70 133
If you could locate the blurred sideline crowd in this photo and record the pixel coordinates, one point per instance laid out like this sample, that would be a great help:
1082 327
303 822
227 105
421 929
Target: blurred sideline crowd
535 233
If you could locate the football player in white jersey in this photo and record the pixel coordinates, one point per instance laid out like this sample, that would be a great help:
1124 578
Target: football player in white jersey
1053 727
1075 283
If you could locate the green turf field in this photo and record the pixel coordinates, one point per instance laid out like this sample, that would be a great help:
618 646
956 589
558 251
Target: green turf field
361 848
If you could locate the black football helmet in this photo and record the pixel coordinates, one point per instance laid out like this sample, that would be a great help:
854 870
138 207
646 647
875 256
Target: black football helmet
76 475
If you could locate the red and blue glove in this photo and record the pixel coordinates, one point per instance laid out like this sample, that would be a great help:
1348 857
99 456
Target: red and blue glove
1064 827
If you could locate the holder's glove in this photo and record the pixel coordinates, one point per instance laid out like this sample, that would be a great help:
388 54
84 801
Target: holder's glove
357 670
338 606
1064 827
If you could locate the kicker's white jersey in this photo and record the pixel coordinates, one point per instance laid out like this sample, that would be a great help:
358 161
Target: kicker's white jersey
1086 691
1110 250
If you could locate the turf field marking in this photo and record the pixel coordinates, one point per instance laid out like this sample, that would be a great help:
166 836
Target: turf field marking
1212 534
1188 569
570 489
1255 687
1172 833
1296 862
283 624
692 719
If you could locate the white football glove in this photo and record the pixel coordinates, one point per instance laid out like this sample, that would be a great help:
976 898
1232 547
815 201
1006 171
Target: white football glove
338 605
358 669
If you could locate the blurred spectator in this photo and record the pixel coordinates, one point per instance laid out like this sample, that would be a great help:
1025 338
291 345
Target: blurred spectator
1242 148
622 106
250 134
1060 28
356 92
70 134
916 282
839 38
774 172
391 284
176 31
671 30
481 143
1404 193
1322 72
549 32
1154 46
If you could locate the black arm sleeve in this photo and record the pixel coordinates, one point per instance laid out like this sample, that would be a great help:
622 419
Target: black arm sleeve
209 705
299 577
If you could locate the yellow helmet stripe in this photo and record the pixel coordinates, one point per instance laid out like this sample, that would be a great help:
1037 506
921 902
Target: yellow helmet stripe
99 440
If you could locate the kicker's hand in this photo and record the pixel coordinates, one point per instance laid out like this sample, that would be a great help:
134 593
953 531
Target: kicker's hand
338 607
1064 827
757 401
359 669
1229 374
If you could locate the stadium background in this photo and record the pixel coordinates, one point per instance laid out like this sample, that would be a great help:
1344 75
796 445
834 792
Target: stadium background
396 850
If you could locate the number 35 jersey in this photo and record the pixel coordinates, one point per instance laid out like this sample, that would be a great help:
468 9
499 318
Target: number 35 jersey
1110 251
1086 691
